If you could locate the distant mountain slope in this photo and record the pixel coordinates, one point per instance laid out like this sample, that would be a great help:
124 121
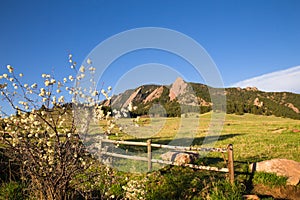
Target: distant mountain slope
181 97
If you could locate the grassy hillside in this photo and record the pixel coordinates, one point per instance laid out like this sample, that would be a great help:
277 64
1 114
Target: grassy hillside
280 104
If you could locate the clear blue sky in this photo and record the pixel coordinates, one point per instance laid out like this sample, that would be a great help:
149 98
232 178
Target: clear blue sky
245 39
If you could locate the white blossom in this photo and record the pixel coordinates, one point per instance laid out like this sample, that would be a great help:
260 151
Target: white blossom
47 82
71 78
95 93
34 85
52 135
130 106
42 92
10 68
61 99
53 81
82 76
82 69
59 84
92 69
48 143
89 61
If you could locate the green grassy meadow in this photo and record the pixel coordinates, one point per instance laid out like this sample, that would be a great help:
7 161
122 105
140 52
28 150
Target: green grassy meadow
254 137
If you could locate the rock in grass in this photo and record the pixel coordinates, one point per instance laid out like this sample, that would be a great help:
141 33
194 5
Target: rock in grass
180 158
281 167
251 197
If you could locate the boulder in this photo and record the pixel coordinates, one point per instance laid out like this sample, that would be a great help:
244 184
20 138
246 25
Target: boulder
180 158
281 167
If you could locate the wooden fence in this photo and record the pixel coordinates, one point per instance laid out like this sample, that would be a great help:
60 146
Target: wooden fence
150 160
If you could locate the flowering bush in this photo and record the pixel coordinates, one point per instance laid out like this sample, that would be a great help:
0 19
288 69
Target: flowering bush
43 135
135 189
106 184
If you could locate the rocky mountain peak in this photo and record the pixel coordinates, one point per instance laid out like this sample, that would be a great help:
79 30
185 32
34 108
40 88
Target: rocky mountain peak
178 87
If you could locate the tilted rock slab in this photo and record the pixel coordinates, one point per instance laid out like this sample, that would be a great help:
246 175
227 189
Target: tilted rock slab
281 167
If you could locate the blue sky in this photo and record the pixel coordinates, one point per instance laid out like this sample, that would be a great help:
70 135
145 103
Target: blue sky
245 39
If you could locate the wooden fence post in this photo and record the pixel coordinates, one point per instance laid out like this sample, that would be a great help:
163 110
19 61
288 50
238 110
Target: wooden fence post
230 163
149 155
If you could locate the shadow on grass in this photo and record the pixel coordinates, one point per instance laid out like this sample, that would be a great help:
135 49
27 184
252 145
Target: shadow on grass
187 141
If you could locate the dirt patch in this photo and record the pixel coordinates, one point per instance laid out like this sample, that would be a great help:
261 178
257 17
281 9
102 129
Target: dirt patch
283 192
280 130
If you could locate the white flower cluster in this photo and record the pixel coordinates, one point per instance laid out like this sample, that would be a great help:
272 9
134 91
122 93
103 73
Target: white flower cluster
44 126
135 189
46 94
10 68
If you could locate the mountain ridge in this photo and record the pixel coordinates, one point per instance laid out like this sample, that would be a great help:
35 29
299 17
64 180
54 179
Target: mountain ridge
181 97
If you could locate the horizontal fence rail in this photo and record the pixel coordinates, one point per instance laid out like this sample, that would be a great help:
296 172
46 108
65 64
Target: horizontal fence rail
179 148
150 160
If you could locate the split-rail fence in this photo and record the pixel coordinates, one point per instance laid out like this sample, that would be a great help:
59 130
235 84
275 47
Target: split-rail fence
150 160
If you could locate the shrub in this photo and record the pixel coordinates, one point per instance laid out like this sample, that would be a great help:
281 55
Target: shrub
44 134
12 191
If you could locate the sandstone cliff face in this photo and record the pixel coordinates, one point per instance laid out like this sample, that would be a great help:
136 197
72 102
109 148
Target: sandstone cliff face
132 96
258 103
185 94
294 108
202 102
154 95
179 87
254 89
117 101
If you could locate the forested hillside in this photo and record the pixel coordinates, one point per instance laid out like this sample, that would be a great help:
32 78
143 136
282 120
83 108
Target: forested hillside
182 97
